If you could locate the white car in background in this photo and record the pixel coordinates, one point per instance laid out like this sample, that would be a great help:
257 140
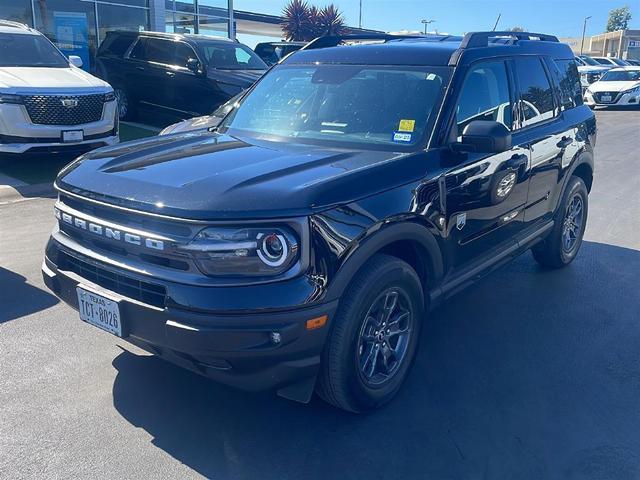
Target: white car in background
612 61
619 86
47 103
590 71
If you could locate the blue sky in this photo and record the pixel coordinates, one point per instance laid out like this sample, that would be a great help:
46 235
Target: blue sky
560 17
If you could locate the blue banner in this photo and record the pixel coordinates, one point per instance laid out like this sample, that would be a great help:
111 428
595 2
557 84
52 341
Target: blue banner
72 35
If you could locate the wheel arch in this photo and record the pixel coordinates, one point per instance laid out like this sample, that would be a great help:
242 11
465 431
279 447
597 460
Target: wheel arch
409 241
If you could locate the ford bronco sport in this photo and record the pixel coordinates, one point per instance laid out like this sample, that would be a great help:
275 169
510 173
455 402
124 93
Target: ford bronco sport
299 246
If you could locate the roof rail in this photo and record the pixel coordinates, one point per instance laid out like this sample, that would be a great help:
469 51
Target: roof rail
335 40
10 23
481 39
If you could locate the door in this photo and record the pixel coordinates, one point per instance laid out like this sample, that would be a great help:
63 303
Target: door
552 139
192 93
485 192
151 79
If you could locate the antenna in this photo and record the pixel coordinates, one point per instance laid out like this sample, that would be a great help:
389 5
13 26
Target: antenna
496 25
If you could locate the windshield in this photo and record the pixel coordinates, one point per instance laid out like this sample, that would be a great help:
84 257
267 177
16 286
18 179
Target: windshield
231 56
26 50
590 61
622 63
342 104
621 76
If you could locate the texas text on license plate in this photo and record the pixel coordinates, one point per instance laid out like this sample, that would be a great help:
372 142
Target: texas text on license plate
100 311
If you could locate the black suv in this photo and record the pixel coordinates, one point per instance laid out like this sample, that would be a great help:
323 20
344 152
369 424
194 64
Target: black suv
184 74
300 245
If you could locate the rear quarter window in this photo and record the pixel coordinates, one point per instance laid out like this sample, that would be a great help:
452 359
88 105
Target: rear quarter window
116 45
568 80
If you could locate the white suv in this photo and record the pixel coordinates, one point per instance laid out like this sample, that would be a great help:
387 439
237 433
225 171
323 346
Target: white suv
46 101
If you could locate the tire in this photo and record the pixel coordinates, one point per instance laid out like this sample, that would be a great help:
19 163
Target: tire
127 109
555 251
351 342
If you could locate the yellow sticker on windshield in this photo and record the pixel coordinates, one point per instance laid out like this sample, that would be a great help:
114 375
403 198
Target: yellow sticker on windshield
407 125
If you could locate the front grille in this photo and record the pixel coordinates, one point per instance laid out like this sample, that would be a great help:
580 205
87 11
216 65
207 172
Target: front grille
51 109
144 292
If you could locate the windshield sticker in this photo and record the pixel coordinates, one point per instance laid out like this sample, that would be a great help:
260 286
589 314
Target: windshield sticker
407 125
401 137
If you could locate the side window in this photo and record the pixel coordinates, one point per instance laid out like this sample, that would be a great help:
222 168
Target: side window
536 94
568 80
159 51
183 53
139 50
485 96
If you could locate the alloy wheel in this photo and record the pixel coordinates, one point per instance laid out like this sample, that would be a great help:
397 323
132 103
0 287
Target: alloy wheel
384 337
572 223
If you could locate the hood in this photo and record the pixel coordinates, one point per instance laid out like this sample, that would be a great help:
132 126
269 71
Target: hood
192 124
18 79
209 176
613 86
592 69
240 78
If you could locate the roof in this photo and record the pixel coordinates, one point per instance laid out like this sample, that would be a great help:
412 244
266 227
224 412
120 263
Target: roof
7 26
429 50
173 36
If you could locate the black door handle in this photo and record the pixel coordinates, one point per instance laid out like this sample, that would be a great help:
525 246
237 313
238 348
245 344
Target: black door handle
564 142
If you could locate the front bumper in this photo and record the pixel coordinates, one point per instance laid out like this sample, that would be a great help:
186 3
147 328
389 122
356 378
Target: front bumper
232 347
625 99
18 134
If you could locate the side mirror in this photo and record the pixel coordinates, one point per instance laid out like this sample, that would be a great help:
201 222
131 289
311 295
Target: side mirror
486 137
193 64
75 60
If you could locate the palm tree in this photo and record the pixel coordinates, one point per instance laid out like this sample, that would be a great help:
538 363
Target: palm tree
331 22
298 24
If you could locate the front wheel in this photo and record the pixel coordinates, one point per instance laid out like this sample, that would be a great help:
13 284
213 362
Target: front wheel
562 245
374 336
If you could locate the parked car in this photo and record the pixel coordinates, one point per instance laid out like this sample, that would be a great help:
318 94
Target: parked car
611 61
633 62
356 186
46 101
619 86
273 52
202 123
185 74
590 71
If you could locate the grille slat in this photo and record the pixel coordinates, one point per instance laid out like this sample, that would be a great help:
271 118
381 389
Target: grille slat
144 292
50 109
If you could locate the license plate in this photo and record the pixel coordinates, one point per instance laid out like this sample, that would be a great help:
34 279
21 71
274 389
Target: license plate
99 311
606 98
70 136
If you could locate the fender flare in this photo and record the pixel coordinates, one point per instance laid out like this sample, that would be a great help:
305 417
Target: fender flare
377 239
584 157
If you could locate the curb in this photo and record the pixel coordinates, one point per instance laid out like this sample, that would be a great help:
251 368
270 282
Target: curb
10 194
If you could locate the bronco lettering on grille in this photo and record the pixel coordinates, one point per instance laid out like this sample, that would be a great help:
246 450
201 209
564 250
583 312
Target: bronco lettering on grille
109 232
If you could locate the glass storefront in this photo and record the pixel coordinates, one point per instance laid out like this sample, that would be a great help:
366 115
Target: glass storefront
78 26
207 17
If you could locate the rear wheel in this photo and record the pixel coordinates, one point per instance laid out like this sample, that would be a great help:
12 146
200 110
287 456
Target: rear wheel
374 336
563 243
126 107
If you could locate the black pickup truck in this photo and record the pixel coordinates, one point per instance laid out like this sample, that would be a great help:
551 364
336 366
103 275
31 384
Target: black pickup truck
299 245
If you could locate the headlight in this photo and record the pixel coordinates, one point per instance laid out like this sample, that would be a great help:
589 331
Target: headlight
635 89
252 251
10 98
109 97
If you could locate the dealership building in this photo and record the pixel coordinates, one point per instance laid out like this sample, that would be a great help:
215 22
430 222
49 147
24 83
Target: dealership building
78 26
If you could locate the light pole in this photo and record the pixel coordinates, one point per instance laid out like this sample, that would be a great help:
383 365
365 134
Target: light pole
426 22
584 29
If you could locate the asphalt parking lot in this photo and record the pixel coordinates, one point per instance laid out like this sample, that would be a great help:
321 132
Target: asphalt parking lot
529 374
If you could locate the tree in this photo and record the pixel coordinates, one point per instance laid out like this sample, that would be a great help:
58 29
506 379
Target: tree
516 29
330 22
303 22
298 24
619 19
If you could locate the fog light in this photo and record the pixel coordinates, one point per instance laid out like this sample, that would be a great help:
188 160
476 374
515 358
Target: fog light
275 337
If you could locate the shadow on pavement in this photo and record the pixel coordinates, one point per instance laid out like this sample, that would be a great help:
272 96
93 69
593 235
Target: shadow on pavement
30 299
527 374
